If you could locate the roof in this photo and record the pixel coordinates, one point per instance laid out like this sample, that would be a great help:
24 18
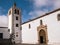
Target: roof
3 27
42 16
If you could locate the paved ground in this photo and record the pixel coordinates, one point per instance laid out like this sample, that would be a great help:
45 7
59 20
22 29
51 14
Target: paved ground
26 44
38 44
8 42
30 44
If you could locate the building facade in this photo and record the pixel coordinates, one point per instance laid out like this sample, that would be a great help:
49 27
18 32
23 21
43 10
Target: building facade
41 30
4 33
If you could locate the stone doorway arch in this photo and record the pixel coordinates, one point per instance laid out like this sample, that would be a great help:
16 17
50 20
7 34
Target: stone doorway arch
42 37
42 34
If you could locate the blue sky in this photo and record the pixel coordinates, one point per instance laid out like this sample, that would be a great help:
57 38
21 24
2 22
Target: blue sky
30 8
26 7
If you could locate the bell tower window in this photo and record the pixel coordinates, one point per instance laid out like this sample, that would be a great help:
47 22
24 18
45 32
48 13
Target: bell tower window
18 12
16 25
16 17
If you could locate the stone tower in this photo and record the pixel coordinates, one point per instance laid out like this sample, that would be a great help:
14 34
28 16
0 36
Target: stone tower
14 23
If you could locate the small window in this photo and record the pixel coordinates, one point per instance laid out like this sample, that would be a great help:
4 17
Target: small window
41 22
16 17
8 30
29 26
16 25
9 12
58 17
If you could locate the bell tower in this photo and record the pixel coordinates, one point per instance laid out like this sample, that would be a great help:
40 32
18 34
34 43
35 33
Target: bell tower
14 23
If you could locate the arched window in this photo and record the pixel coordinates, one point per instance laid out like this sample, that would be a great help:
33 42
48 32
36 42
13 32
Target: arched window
29 26
18 12
41 22
16 17
58 17
16 25
15 11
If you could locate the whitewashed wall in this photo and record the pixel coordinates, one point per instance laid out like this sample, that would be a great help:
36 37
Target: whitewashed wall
5 32
10 20
53 28
10 23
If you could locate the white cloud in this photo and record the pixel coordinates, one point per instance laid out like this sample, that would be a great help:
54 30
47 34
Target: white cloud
3 18
39 3
37 13
3 21
54 4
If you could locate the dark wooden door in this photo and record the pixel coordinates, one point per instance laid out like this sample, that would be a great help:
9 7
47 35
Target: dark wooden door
41 39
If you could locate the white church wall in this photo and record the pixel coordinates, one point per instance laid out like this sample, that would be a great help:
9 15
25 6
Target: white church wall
5 32
10 23
30 35
53 28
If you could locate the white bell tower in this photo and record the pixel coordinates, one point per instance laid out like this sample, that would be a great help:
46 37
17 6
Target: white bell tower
14 23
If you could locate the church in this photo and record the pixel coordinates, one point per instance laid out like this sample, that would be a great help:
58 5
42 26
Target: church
44 29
